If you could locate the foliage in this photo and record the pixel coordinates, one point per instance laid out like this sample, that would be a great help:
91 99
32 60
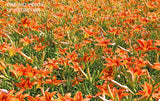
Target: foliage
79 50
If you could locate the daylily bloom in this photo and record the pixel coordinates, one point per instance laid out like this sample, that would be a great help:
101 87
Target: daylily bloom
54 81
79 97
113 62
18 70
21 96
156 66
145 45
25 83
12 50
26 40
111 91
147 90
38 47
157 43
77 80
102 41
7 96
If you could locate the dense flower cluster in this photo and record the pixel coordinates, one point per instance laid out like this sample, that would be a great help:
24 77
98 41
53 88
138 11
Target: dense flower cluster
80 50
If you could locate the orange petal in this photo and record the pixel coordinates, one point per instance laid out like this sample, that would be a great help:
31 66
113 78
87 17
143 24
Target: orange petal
78 96
156 66
157 43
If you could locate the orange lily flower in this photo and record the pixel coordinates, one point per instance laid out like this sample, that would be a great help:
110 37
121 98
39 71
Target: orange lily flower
73 56
51 64
147 90
54 81
76 66
25 22
29 71
12 50
157 43
113 62
102 41
79 97
38 47
67 97
7 96
4 47
30 98
77 80
156 66
120 92
20 96
26 40
25 83
18 70
145 45
48 96
156 93
111 92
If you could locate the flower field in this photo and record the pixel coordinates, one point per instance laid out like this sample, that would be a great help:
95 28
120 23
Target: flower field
79 50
